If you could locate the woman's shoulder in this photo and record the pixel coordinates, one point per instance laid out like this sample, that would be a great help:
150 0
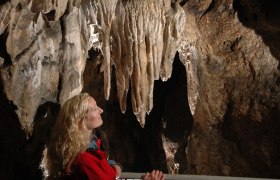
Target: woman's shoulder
89 155
89 160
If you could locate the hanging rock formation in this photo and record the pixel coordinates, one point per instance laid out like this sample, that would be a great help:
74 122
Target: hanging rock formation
145 36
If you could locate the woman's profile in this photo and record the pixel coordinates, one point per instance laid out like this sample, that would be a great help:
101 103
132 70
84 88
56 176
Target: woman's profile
74 151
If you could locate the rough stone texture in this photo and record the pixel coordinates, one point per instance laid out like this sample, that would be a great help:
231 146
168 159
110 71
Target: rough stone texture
236 115
218 114
45 56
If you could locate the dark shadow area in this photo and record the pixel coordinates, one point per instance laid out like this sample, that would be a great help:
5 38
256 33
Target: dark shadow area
257 142
177 114
3 2
31 152
263 17
183 2
12 138
21 156
3 51
93 77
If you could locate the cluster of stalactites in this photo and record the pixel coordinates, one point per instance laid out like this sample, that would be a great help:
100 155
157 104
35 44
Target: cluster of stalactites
140 38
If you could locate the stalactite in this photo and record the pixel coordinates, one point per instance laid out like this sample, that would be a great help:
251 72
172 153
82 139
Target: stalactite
145 36
105 12
189 57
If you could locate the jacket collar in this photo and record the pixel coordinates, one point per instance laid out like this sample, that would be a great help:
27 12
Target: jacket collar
95 143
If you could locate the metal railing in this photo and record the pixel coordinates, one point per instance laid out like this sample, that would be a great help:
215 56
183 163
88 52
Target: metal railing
137 176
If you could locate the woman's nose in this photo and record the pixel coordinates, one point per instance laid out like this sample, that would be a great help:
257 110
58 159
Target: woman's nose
101 110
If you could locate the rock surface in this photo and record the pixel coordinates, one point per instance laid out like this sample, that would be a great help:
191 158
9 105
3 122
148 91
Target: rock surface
236 115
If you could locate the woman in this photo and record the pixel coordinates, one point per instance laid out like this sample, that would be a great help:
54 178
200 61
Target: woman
73 151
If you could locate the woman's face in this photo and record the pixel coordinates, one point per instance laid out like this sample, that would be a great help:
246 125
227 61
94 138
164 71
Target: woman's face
93 119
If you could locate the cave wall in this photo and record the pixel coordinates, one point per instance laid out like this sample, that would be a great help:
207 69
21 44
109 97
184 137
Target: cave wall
236 114
218 114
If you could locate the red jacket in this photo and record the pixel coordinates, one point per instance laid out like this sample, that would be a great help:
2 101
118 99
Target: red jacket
91 165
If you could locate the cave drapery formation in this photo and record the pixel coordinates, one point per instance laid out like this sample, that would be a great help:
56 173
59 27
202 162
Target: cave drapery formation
230 50
145 37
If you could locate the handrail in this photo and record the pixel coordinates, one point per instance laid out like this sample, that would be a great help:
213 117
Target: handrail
137 176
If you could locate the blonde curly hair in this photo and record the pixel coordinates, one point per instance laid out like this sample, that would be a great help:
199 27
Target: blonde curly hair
68 138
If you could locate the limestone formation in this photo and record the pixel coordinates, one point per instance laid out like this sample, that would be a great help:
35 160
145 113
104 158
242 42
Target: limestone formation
145 37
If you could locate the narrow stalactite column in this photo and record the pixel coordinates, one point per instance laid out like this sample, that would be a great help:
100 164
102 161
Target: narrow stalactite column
189 56
105 12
